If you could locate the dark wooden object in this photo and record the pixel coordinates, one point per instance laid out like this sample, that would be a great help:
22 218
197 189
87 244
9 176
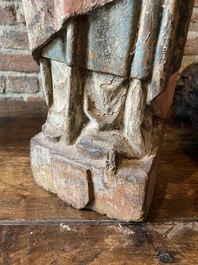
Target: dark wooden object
186 95
38 228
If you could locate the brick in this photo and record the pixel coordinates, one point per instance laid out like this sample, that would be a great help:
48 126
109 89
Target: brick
14 39
35 98
7 15
18 62
20 13
192 44
2 84
194 20
22 84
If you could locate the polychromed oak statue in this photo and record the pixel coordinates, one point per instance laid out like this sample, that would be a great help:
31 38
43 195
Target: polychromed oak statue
108 69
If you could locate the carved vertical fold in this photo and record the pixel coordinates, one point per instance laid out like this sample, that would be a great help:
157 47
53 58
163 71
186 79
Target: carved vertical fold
147 39
46 79
71 43
61 75
74 115
133 117
164 49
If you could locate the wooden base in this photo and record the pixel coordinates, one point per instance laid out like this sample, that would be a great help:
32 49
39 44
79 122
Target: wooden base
86 183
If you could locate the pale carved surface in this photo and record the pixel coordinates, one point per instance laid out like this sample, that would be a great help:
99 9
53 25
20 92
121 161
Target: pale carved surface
101 73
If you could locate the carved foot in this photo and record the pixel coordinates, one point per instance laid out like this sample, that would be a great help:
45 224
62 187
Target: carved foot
54 126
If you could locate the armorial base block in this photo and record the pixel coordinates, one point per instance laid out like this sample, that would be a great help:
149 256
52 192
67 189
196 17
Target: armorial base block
85 183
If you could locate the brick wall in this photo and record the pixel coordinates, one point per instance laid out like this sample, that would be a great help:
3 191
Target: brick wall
191 50
19 74
19 77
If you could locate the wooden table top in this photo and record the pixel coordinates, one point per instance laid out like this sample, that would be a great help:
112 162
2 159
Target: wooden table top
36 227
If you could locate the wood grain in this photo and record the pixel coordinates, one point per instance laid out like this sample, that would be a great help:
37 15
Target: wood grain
94 244
176 190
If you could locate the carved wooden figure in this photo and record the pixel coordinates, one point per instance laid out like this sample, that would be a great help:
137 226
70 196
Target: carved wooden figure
108 70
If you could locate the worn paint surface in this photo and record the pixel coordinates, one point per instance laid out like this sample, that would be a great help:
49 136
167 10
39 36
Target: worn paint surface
146 40
174 28
41 163
71 182
55 50
146 44
111 37
100 41
45 17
